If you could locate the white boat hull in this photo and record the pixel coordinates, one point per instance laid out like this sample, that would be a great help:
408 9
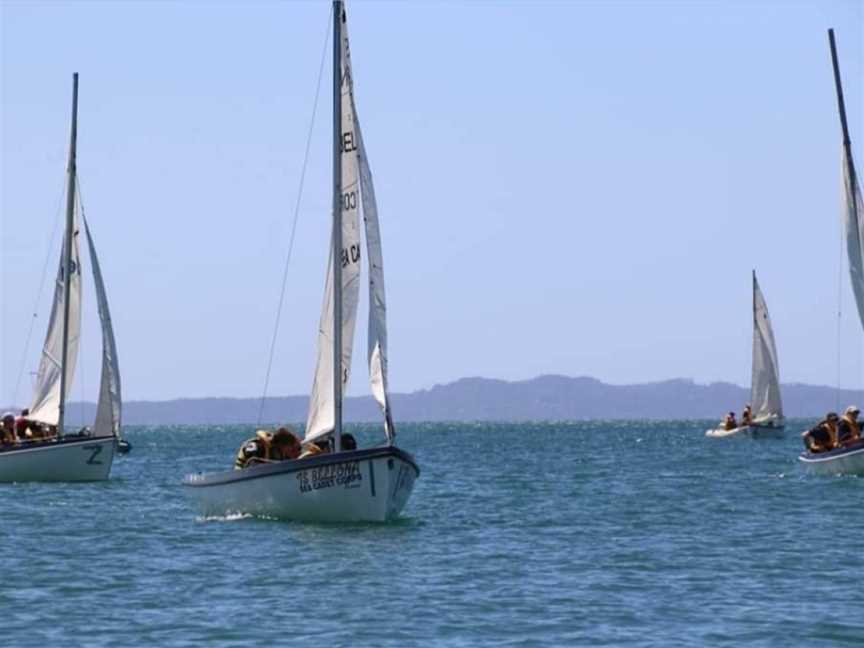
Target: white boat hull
747 430
73 459
371 485
844 461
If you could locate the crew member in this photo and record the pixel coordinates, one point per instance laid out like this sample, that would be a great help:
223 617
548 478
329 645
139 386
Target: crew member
729 423
747 415
822 437
266 447
849 430
7 431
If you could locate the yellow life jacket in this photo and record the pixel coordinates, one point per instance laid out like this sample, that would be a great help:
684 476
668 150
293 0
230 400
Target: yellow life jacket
854 427
262 450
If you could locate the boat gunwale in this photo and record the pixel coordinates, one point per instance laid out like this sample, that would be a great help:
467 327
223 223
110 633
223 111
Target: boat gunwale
63 442
203 480
837 453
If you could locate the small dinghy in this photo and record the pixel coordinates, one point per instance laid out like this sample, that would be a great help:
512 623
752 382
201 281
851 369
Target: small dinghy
765 383
848 460
370 484
842 461
88 454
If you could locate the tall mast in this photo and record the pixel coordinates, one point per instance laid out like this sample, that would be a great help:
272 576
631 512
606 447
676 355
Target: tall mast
337 225
841 107
67 249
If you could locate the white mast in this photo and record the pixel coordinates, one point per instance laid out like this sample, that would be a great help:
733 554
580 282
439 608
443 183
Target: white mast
67 249
337 225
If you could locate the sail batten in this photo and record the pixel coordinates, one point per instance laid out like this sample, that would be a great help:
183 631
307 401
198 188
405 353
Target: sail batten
765 383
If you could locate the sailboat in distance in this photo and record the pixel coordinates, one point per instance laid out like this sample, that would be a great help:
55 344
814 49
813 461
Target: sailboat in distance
766 416
345 484
41 449
848 459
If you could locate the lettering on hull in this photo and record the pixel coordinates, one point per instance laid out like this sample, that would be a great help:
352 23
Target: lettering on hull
342 475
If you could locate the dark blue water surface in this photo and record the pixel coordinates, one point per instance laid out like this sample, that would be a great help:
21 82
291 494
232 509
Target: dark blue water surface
590 533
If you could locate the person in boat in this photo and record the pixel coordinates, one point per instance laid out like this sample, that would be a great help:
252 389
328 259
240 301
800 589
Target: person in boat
747 415
24 426
321 446
848 428
265 447
823 436
729 423
7 431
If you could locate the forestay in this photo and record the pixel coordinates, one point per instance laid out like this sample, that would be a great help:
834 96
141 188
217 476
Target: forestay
46 396
321 406
765 385
108 410
853 215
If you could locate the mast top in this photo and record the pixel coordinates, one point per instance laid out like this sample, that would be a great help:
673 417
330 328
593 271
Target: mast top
841 104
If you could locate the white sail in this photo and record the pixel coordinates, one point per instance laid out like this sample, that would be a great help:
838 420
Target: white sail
45 406
321 406
765 385
853 221
377 354
108 410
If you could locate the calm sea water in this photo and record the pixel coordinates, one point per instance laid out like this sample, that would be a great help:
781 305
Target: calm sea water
540 534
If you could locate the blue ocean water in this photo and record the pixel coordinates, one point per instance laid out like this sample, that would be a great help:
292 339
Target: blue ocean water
594 533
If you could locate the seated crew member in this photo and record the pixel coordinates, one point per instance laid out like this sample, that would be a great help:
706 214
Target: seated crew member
823 436
22 425
849 429
266 447
729 423
348 442
284 445
747 415
7 431
321 446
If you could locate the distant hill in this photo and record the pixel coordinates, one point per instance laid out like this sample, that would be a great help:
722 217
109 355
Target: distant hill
483 399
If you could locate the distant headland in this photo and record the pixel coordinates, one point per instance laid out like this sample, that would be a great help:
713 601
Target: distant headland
545 398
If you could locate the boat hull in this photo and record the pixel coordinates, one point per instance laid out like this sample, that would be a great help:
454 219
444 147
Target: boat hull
843 461
68 460
371 485
756 431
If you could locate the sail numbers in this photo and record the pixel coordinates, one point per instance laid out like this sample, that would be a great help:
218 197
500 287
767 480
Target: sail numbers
350 255
348 144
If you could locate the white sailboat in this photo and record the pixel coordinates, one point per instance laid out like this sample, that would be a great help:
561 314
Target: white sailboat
371 484
88 454
847 460
767 407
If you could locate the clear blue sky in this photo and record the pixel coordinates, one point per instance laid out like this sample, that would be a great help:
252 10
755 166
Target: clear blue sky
579 188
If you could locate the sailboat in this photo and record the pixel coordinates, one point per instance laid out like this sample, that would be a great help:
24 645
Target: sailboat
87 454
767 407
850 459
371 484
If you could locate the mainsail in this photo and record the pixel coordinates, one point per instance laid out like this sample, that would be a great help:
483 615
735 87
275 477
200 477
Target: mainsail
377 354
321 419
765 385
46 395
853 222
108 410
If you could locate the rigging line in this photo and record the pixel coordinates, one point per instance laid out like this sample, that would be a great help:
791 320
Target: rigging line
35 315
296 218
